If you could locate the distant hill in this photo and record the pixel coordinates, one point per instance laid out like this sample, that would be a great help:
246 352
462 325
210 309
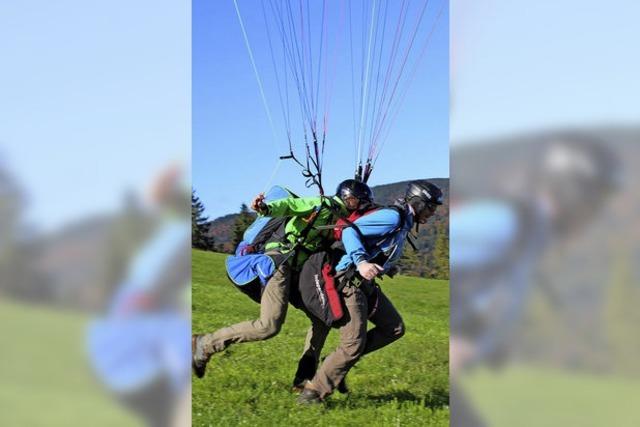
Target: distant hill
84 262
221 229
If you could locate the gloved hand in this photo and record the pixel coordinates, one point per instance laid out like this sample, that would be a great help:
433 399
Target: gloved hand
369 270
259 205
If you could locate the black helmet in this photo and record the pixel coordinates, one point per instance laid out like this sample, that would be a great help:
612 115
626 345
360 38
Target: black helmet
357 189
577 174
425 191
583 162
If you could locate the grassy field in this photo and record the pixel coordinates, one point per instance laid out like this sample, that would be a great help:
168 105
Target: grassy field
525 396
403 384
45 378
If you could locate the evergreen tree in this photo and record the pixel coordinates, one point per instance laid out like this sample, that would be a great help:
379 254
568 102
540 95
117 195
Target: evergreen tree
408 264
441 253
242 222
199 225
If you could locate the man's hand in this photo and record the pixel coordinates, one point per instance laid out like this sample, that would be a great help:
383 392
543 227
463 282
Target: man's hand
258 204
369 270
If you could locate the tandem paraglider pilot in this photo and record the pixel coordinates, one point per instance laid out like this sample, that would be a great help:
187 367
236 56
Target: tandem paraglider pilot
273 268
373 244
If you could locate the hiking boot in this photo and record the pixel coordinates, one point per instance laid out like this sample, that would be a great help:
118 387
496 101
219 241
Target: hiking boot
342 387
309 396
198 364
298 385
306 370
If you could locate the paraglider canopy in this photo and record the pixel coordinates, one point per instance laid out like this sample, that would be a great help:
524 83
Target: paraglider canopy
381 41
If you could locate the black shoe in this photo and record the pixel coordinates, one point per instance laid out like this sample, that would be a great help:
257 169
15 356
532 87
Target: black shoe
309 397
342 387
197 365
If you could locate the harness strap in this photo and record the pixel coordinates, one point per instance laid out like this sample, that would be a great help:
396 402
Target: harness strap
411 242
298 246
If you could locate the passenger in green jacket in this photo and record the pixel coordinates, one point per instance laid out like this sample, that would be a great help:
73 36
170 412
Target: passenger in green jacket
301 239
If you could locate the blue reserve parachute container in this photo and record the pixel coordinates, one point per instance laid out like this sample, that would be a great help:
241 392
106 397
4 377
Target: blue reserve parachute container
249 269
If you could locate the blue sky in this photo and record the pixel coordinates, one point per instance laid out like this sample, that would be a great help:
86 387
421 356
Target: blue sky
96 97
95 101
524 66
234 151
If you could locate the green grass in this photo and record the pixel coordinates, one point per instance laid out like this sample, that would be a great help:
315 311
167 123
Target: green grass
45 378
404 384
534 396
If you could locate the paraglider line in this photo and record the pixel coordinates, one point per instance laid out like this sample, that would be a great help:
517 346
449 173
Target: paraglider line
255 70
366 82
410 80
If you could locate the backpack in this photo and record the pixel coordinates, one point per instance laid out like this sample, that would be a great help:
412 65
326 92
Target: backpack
319 293
264 229
250 268
319 290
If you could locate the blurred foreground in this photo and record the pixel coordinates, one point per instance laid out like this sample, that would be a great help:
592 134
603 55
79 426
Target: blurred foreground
542 270
96 317
544 224
94 259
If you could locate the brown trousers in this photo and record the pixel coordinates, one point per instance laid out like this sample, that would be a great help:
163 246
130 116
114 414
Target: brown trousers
273 310
355 340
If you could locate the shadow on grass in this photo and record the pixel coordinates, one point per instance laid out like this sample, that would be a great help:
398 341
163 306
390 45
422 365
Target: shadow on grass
436 399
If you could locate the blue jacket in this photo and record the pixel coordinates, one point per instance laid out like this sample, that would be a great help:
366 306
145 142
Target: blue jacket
384 233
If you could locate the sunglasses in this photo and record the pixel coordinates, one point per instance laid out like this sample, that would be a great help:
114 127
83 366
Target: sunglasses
431 207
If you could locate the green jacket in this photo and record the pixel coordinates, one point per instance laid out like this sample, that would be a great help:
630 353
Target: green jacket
300 209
